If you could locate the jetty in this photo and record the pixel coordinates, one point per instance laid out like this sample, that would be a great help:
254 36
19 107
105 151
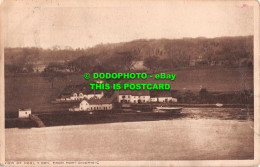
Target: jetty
37 120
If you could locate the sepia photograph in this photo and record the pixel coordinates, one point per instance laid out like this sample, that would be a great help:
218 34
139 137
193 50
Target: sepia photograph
129 83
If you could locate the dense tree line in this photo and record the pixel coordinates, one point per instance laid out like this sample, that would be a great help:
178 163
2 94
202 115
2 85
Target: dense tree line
156 55
170 54
205 97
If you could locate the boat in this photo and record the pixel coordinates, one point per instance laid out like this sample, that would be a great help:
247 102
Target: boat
168 109
219 105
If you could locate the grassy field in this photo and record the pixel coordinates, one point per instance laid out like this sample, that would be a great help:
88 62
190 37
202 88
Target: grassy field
214 79
36 92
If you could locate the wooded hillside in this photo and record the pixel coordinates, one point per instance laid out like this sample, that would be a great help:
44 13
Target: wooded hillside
156 54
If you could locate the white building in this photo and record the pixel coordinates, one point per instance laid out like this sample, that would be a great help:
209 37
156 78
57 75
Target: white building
39 67
143 96
93 105
24 113
133 96
154 99
163 97
166 99
80 95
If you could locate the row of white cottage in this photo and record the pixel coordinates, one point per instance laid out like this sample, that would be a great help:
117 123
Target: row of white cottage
144 97
122 96
77 95
94 104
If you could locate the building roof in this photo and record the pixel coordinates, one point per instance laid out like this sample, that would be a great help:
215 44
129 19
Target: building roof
134 92
87 91
83 88
95 101
24 109
100 101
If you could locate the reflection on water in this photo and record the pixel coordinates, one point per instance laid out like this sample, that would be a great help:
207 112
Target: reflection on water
218 113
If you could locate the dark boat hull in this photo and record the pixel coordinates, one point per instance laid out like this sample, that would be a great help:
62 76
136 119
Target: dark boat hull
168 109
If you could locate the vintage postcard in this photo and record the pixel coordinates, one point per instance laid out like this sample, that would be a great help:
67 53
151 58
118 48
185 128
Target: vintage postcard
129 83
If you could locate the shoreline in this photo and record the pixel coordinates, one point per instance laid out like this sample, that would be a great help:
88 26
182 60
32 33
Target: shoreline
128 115
199 105
144 106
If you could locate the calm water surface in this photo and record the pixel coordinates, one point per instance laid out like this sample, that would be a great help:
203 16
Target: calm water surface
218 113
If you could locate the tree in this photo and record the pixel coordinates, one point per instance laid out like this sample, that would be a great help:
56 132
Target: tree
72 67
152 62
98 68
29 67
188 96
51 74
174 54
85 63
129 60
55 67
203 95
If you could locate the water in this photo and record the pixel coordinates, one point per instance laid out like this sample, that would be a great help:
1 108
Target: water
218 113
177 139
193 134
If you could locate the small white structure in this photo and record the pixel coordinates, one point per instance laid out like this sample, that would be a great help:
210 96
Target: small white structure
219 105
93 105
153 99
175 100
134 96
24 113
163 97
74 96
167 99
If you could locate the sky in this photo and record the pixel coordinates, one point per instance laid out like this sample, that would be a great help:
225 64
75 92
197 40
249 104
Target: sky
83 25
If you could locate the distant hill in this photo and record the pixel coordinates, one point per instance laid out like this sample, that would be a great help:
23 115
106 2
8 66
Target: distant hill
39 55
170 53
